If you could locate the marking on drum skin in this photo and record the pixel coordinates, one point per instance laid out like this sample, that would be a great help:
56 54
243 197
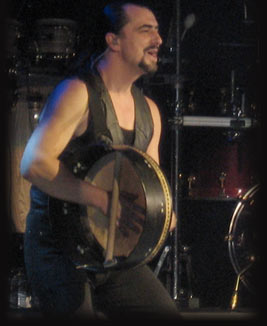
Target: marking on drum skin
81 250
148 251
77 167
148 164
162 207
65 208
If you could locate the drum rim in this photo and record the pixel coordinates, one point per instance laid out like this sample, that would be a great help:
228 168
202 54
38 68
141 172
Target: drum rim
231 243
137 256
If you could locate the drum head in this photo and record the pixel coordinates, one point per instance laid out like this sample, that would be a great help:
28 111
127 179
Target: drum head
101 175
147 213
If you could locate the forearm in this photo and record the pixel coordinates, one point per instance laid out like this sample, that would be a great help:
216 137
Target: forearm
52 177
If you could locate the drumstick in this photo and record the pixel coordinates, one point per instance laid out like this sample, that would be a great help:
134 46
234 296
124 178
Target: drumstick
109 261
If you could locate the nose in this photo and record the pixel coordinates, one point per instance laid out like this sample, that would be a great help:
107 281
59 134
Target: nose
158 39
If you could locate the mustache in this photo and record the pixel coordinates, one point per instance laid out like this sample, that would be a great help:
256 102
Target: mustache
151 47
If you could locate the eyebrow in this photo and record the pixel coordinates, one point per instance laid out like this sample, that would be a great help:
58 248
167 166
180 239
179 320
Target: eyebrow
148 26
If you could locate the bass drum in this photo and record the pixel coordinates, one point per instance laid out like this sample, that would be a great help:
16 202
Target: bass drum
219 163
243 238
85 231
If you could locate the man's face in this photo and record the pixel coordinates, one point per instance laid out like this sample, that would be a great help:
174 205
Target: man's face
140 39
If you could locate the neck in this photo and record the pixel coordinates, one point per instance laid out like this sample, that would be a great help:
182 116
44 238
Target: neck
117 77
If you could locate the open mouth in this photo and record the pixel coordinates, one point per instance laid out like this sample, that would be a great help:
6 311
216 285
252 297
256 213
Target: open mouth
153 52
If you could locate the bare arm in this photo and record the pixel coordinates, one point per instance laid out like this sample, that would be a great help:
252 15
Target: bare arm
63 116
153 148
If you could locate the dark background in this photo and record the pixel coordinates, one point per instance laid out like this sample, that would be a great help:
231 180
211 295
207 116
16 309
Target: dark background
226 37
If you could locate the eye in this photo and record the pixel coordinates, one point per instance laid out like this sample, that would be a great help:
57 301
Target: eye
145 30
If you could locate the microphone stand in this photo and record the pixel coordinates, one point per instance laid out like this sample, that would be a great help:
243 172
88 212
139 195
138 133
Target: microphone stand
175 124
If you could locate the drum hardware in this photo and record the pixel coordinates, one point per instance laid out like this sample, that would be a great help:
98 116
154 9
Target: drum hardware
186 296
35 107
224 101
191 180
233 135
222 182
12 89
20 294
234 299
233 100
13 37
55 40
161 260
191 106
86 231
222 122
242 240
238 107
218 163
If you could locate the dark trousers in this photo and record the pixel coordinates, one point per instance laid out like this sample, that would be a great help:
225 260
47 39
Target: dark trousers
60 286
129 293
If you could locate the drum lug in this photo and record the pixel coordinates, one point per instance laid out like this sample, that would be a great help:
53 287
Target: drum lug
191 180
65 208
222 181
228 237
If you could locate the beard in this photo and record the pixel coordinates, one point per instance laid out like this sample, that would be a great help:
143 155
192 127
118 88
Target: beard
148 68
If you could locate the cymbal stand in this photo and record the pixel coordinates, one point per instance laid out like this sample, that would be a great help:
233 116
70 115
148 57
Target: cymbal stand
181 260
175 124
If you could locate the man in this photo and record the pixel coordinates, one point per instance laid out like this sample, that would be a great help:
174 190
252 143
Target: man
132 50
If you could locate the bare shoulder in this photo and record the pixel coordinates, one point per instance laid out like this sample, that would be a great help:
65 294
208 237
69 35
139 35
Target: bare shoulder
68 97
66 109
153 148
72 87
154 109
153 106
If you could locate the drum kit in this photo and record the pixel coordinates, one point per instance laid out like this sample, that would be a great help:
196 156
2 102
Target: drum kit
32 75
215 160
35 61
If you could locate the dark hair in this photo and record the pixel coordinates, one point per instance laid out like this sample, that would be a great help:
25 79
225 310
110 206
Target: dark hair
112 20
115 15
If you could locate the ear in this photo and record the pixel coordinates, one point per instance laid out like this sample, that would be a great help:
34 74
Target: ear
112 41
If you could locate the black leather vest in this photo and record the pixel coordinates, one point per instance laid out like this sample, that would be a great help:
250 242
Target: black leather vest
103 125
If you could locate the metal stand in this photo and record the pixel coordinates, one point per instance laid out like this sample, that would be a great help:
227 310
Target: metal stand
180 253
175 250
175 124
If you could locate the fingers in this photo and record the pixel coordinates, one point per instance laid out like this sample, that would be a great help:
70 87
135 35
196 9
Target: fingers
128 200
130 215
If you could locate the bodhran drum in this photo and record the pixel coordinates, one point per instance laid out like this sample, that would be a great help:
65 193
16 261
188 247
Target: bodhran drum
243 238
55 40
86 231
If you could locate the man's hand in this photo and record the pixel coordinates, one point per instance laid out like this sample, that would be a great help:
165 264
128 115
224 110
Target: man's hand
130 216
173 221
